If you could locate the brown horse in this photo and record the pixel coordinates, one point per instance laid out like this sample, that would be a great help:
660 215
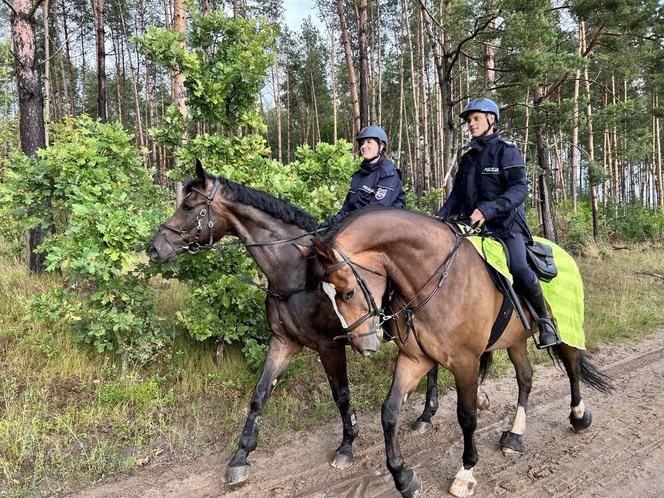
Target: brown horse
439 275
214 207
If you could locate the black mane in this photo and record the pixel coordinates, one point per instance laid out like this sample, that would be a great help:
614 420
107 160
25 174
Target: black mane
263 201
315 269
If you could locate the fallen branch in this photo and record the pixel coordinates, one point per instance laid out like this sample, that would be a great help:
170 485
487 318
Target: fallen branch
650 274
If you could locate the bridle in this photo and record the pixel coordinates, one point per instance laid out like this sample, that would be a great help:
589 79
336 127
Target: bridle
405 309
194 246
373 309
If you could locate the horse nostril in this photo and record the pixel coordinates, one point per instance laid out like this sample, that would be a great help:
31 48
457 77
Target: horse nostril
153 254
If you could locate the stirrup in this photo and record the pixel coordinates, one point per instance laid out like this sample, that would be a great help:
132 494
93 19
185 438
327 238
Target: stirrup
546 326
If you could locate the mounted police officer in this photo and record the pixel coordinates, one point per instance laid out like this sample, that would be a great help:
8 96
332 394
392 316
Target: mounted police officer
377 182
490 187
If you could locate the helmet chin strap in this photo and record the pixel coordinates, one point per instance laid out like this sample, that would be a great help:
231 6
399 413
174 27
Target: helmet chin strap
489 127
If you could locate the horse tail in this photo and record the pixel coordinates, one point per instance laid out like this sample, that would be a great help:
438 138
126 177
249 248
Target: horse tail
593 376
485 362
590 374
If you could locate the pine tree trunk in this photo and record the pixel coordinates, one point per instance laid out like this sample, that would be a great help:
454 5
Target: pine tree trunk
545 169
575 153
417 181
30 103
134 85
489 56
659 186
424 166
98 7
591 146
47 70
364 62
179 95
357 122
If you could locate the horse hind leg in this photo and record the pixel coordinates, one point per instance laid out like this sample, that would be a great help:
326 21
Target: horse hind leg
279 354
334 363
423 423
511 442
575 364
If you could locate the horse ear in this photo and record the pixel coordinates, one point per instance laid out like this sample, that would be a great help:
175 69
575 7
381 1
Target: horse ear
305 251
324 250
200 172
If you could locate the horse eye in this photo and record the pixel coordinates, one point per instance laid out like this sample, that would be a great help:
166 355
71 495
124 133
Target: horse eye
348 295
186 207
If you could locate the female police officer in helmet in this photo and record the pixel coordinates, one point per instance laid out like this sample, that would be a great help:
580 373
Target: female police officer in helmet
377 182
490 187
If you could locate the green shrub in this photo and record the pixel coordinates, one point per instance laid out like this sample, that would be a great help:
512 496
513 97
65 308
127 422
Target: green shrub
104 206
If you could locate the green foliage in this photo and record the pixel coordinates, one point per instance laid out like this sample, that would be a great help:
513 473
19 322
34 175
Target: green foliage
631 223
224 61
105 206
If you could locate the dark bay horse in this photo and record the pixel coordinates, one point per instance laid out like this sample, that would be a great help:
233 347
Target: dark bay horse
441 276
214 207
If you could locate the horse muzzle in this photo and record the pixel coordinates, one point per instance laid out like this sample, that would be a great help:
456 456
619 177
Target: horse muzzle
367 343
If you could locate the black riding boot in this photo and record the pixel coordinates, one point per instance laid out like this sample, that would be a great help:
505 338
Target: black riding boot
548 334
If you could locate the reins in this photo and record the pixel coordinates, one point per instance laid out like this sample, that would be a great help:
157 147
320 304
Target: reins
405 309
194 247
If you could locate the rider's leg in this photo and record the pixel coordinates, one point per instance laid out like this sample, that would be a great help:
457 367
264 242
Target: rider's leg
526 282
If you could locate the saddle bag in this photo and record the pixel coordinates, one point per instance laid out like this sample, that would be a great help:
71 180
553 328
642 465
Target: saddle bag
540 259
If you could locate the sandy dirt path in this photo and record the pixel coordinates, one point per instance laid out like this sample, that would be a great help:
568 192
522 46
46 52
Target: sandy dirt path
621 455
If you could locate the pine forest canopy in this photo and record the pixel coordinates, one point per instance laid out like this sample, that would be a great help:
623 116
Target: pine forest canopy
579 82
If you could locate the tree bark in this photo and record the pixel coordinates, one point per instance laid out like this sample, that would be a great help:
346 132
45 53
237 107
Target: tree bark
591 145
102 112
179 93
47 71
352 83
364 62
30 101
545 168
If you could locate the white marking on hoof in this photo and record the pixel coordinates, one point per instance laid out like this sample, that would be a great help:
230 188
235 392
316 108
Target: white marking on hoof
519 424
579 411
483 401
508 451
464 483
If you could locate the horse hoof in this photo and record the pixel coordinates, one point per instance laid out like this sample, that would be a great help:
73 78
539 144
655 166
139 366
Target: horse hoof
342 461
462 488
581 424
464 483
413 489
422 427
236 475
511 444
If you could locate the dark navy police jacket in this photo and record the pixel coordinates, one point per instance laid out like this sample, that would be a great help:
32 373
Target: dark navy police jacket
376 184
492 178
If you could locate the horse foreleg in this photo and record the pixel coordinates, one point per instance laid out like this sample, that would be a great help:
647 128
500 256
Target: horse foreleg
423 422
580 417
334 362
279 355
407 372
511 441
466 380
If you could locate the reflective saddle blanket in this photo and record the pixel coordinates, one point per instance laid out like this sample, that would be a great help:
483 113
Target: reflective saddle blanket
564 294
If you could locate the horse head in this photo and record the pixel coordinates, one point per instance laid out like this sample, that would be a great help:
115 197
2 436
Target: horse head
197 223
355 286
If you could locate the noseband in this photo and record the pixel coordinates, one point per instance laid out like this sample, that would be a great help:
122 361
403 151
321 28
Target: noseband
373 309
193 246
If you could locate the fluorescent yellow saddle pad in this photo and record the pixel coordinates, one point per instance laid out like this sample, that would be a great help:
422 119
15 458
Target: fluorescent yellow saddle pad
564 294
